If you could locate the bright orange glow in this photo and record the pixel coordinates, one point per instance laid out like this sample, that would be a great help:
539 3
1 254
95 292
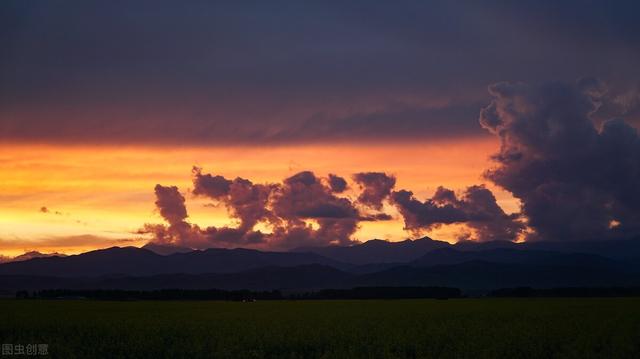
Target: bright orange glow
107 192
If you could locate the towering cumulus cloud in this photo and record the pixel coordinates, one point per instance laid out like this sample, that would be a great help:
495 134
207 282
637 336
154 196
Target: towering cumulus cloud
575 180
477 208
170 204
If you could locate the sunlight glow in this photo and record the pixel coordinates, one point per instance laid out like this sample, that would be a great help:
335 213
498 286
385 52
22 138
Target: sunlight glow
108 191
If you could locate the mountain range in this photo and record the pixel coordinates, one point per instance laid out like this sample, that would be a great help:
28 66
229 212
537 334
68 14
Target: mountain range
470 266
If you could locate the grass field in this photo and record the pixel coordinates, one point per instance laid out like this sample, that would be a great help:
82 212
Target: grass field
461 328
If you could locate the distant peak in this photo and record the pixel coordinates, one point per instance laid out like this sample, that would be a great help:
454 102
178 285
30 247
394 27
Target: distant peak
375 242
35 254
425 238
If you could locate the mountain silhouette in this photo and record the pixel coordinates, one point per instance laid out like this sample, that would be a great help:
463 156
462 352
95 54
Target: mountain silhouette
378 251
446 256
480 275
142 262
308 277
424 262
384 252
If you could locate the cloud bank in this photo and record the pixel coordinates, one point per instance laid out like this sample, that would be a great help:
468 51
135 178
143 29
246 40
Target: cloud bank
576 177
303 210
307 210
477 207
238 73
575 181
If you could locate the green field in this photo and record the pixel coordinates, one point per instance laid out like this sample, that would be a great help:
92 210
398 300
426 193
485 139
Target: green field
461 328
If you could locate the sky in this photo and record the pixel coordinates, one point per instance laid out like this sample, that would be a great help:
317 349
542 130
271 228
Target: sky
481 120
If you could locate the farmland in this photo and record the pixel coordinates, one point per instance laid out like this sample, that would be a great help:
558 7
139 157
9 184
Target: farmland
455 328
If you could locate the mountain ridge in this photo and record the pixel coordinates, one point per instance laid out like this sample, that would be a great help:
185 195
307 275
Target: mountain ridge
423 262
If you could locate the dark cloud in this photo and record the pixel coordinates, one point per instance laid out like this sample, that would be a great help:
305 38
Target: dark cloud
302 197
216 187
179 231
306 196
256 72
575 180
170 203
303 210
399 119
486 218
376 187
372 217
245 201
477 208
620 101
575 176
337 183
425 215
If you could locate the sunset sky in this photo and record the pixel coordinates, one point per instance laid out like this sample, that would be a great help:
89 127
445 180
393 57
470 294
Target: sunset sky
99 103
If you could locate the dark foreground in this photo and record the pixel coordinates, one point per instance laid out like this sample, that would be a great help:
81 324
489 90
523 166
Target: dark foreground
455 328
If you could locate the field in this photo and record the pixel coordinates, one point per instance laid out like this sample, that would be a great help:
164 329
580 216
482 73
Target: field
461 328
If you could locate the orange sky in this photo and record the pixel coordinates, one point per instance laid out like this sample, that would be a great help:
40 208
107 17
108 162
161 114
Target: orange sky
98 196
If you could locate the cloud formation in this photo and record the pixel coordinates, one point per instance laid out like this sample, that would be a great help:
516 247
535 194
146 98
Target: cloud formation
575 181
162 72
307 210
303 210
476 207
245 200
376 186
337 183
171 205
